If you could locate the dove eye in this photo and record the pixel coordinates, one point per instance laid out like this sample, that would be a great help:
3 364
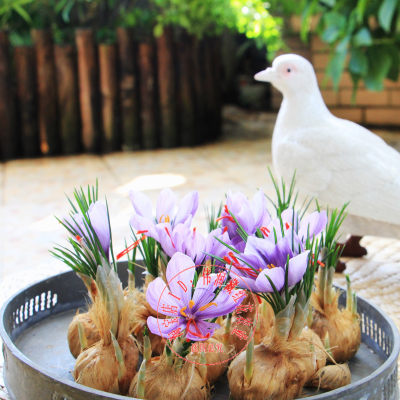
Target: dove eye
288 70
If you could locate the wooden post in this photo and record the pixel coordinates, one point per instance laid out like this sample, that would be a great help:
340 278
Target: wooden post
109 96
187 116
148 87
167 89
47 92
199 91
25 75
8 139
217 85
210 103
88 89
128 89
68 98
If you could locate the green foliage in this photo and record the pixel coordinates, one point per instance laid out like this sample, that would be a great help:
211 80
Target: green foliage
197 17
83 255
363 36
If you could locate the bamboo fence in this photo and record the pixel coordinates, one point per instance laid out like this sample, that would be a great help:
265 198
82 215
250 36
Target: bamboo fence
137 93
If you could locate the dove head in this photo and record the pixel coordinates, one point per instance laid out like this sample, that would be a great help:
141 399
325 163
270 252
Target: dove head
290 74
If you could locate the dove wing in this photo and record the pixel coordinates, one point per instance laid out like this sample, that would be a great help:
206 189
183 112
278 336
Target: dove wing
341 161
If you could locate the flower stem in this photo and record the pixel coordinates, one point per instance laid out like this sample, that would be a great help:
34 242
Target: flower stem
141 380
249 369
227 329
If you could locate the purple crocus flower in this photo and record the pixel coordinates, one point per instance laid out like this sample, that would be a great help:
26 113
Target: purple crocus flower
263 258
251 215
189 312
181 239
215 247
98 217
166 210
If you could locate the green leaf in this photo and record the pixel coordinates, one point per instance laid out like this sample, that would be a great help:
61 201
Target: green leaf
22 13
335 24
342 46
393 73
379 61
336 66
329 3
385 13
360 9
330 34
358 62
362 38
158 30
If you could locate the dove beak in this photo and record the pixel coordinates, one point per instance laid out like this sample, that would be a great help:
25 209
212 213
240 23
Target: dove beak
265 76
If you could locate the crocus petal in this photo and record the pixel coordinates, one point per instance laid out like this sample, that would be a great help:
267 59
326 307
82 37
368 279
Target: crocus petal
277 276
194 246
224 304
165 205
204 291
166 238
312 224
161 299
259 209
262 248
297 268
141 204
246 283
281 252
187 207
180 273
98 217
160 327
204 330
145 225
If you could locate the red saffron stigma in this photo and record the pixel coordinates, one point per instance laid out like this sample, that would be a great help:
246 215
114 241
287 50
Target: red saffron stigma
78 238
142 232
166 230
225 229
228 217
287 226
131 247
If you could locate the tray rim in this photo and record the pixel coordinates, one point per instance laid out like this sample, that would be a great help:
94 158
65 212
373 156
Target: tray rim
7 341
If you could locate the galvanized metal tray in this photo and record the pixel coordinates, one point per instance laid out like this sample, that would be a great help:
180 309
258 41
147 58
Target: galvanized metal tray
38 364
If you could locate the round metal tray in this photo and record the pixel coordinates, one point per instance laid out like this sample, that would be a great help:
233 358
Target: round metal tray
37 362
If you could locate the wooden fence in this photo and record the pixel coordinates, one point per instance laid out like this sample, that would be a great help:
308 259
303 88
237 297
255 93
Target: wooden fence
91 97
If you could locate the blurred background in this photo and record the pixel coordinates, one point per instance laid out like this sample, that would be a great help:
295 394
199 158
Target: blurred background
107 75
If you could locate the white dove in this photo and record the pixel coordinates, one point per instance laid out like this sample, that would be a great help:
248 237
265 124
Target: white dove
335 160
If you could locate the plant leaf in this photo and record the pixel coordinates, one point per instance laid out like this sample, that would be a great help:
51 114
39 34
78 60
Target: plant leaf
379 60
358 62
385 13
362 38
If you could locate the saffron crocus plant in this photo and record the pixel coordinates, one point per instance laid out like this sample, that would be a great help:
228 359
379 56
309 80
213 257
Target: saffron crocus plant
277 265
190 309
167 213
242 217
97 217
90 230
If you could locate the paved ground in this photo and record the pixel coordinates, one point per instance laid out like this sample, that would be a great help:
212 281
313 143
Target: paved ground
32 192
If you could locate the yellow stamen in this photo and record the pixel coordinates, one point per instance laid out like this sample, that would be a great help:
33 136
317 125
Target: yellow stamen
182 311
191 304
270 266
166 218
206 306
